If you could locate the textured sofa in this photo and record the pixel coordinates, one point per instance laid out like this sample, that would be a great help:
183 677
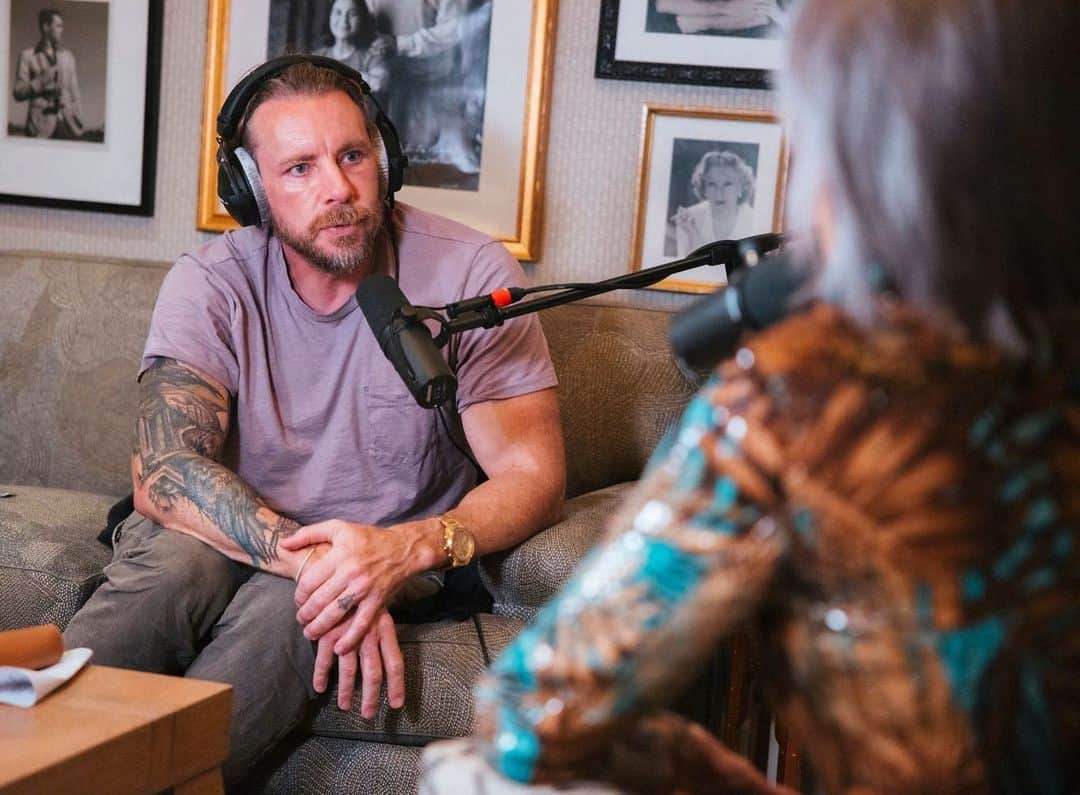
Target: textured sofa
71 332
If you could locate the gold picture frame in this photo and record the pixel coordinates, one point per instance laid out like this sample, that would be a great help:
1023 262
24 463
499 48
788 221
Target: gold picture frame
676 142
508 203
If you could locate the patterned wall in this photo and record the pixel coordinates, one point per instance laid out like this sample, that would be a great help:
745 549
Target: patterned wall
591 170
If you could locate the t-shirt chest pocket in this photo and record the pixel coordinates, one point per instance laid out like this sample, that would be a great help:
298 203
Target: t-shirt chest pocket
397 429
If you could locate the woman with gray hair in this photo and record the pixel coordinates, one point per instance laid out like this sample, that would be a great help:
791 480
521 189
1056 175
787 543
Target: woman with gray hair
885 488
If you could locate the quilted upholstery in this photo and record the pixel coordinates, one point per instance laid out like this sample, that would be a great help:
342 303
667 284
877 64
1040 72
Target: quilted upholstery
619 389
323 765
50 561
525 577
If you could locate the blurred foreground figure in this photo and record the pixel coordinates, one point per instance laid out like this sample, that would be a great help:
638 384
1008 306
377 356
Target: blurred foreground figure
886 487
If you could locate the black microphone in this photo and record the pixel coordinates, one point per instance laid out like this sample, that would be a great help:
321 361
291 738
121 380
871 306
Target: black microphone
406 341
709 329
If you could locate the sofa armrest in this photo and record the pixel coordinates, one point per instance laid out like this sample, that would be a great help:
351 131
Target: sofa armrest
523 578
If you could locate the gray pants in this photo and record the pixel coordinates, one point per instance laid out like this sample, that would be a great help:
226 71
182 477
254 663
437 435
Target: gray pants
173 605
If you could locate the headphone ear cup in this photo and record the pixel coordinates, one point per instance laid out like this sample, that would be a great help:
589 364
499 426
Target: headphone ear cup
390 152
383 162
254 185
396 163
233 189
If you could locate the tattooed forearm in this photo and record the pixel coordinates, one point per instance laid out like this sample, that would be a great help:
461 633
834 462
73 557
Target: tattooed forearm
231 504
180 430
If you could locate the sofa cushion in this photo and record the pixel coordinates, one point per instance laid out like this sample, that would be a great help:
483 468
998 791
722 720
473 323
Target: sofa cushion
70 344
619 389
442 662
522 579
50 560
321 765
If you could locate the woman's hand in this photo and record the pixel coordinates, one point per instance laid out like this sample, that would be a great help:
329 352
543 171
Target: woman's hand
687 234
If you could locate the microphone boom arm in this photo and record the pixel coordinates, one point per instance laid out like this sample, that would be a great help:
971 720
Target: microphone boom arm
723 252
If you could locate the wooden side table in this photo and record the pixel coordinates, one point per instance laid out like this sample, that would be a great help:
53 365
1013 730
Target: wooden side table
115 731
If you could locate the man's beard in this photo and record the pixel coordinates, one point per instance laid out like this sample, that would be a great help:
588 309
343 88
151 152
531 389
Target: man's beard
348 255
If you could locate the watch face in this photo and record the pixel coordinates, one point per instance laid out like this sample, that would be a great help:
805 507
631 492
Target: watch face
462 545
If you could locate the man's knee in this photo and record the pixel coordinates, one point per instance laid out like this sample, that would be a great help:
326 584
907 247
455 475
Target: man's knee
259 632
164 590
261 619
151 559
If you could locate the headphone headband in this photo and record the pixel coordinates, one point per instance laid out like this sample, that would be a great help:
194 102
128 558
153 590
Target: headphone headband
234 106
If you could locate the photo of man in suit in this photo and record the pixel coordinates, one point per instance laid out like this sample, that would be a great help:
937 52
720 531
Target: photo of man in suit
46 78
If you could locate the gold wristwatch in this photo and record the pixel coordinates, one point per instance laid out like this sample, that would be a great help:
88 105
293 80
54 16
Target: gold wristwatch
458 543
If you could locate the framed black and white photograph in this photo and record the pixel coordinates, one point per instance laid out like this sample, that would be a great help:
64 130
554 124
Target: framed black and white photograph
705 175
80 121
707 42
439 72
475 144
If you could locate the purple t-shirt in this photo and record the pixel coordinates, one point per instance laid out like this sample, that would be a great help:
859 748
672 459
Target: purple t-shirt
322 425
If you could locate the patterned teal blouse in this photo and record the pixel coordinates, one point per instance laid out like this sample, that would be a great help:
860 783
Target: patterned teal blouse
893 512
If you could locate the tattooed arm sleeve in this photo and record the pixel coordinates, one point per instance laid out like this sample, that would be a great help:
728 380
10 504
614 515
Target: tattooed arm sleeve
684 561
179 482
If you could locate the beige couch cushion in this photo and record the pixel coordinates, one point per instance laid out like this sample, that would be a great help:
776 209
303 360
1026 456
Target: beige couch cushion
522 579
619 389
50 560
70 344
323 765
442 662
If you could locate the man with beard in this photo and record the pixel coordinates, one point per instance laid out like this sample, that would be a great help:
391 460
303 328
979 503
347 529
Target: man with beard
275 442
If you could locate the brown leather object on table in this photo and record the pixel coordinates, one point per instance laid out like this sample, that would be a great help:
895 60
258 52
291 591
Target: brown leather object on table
32 647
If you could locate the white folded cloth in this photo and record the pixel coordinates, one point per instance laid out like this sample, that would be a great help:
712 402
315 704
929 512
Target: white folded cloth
23 687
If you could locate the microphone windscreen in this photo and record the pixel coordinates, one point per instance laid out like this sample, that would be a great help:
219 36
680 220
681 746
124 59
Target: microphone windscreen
768 290
708 325
709 329
379 298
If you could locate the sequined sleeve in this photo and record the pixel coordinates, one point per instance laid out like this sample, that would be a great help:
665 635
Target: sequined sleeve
687 558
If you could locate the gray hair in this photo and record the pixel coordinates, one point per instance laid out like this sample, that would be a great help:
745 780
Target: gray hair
943 134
